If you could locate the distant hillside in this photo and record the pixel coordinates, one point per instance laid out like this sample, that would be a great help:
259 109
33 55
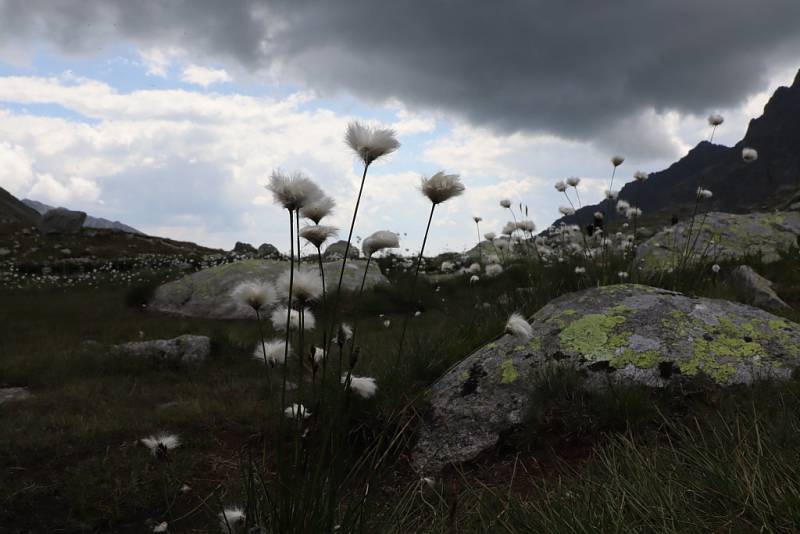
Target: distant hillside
90 222
13 211
738 187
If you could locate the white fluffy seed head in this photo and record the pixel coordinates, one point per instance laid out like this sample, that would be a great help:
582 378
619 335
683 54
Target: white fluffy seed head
317 234
344 334
490 236
255 294
370 143
633 212
622 275
616 161
230 519
278 319
293 191
509 228
275 351
704 193
715 119
474 278
477 219
493 269
161 442
611 195
306 284
526 226
641 176
379 240
573 181
560 186
715 268
622 206
297 411
363 386
319 209
441 187
564 210
518 326
505 203
580 270
749 155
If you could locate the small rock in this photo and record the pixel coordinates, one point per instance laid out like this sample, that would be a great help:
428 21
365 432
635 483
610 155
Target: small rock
757 288
4 252
182 349
13 394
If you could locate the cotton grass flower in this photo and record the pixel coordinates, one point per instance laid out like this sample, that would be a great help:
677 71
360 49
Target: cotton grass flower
715 268
749 155
622 275
293 191
477 219
640 176
573 181
318 209
230 518
714 120
370 143
622 206
704 193
275 351
580 270
509 228
161 443
279 316
344 334
616 161
364 387
317 234
526 226
307 284
380 240
297 410
441 187
493 269
611 194
490 236
255 294
505 203
474 278
161 527
560 186
518 326
564 210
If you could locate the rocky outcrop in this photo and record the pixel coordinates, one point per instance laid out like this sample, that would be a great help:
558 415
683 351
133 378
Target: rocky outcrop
757 289
244 248
62 221
625 333
336 250
13 211
182 349
207 293
722 236
96 223
268 252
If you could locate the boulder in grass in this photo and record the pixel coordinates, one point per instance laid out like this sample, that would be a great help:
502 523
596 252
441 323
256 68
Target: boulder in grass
61 221
13 394
628 334
244 248
336 250
757 288
182 349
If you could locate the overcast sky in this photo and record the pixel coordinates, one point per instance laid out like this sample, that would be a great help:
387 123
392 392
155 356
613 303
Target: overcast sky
170 115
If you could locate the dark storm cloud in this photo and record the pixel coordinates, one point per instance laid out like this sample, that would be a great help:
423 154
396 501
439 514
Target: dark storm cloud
573 68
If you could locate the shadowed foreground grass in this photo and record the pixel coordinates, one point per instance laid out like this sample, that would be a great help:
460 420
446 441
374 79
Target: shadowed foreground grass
70 461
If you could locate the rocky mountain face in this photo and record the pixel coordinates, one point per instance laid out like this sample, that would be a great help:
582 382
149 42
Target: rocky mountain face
13 211
90 222
738 187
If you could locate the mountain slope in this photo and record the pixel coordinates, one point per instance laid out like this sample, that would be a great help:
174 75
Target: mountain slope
738 187
90 222
13 211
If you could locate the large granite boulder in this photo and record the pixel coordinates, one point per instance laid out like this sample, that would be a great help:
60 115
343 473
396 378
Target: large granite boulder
757 289
61 221
244 248
722 236
182 349
336 250
624 333
207 293
267 251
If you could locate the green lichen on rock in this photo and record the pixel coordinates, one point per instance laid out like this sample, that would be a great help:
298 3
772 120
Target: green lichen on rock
508 373
644 360
593 336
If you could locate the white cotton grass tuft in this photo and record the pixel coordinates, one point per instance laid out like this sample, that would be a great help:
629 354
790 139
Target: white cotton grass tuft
640 176
616 161
490 236
518 326
318 209
580 270
633 212
161 442
715 268
230 518
317 354
306 284
749 155
560 186
704 193
622 206
566 211
278 319
317 234
370 143
505 203
441 187
493 269
275 350
573 181
509 228
293 191
526 226
161 527
297 411
622 275
254 293
611 194
343 334
378 241
715 119
363 386
474 278
477 219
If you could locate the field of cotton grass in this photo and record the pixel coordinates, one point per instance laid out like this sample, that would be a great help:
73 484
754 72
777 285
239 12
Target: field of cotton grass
303 418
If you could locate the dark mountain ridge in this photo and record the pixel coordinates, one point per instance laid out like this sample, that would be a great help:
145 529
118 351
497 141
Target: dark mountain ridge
738 187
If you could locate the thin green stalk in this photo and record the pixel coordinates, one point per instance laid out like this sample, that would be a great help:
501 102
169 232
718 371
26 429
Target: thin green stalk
322 275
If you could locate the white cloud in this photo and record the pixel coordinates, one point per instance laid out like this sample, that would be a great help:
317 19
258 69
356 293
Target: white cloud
157 60
205 76
16 168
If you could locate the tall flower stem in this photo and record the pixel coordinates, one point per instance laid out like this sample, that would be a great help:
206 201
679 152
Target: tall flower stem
713 129
288 313
571 205
480 249
414 284
322 275
578 196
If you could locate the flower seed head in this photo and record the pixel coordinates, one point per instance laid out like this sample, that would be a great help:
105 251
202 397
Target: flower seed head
379 240
441 187
370 143
293 191
317 234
